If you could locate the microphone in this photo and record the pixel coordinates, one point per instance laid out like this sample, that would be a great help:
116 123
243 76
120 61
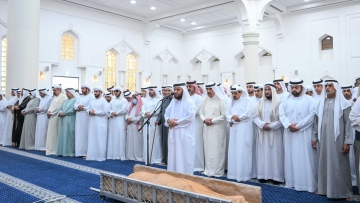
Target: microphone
167 97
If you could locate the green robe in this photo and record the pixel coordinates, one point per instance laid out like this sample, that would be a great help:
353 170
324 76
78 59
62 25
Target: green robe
66 134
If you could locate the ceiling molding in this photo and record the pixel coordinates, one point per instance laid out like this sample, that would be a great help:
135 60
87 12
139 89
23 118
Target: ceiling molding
319 4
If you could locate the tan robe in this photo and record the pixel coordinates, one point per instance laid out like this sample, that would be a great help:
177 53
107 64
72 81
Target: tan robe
53 127
214 135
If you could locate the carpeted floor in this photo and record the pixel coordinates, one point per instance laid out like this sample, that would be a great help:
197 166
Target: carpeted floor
29 176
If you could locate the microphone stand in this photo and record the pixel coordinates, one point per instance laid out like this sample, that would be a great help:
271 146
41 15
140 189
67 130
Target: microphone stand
147 122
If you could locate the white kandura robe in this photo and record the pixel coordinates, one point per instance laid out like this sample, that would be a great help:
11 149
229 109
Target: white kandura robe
53 126
97 130
3 111
42 123
7 140
181 139
300 158
254 102
283 95
149 106
117 129
82 124
214 135
199 141
240 140
270 158
134 138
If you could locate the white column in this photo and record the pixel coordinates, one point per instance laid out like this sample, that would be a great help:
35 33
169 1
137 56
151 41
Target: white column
23 44
251 43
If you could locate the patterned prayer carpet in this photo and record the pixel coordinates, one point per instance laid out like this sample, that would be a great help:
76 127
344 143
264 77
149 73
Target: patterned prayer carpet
29 176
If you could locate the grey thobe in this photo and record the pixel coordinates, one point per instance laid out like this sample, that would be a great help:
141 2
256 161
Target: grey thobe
164 130
334 176
28 132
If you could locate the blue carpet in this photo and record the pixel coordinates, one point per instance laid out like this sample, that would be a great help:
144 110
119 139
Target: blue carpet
62 180
65 181
10 194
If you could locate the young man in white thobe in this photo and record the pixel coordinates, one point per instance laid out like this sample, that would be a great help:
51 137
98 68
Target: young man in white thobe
151 103
334 134
319 90
9 118
180 118
97 131
259 88
281 89
297 116
52 133
239 113
355 123
117 126
195 96
42 121
270 147
81 122
212 112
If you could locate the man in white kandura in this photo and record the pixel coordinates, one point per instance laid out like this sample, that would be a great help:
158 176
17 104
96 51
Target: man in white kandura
195 96
239 113
3 104
281 89
117 126
270 147
97 132
9 118
53 128
297 116
212 113
150 104
180 118
82 120
42 121
319 90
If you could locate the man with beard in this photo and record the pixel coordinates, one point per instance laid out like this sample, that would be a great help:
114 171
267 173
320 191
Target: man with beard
238 115
9 118
151 103
269 146
97 132
250 89
333 132
195 96
28 133
297 116
180 117
144 93
117 126
213 113
164 130
81 122
23 101
42 120
54 119
348 92
281 89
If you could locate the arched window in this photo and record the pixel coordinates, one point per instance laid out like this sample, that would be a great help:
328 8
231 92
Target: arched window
327 43
110 69
3 63
67 47
131 72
